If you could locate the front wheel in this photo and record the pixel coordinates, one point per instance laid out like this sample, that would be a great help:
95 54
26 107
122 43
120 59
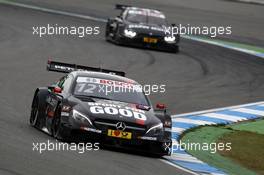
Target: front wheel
57 128
107 32
56 123
159 149
176 49
34 116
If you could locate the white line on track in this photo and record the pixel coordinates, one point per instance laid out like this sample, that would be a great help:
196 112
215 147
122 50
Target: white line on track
224 45
177 130
250 111
252 1
185 157
217 109
224 117
175 142
54 11
59 12
82 17
191 121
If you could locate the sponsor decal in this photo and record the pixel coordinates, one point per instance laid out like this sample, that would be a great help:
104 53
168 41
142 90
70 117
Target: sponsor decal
64 68
65 114
119 134
112 109
147 138
140 122
139 26
91 130
120 126
105 82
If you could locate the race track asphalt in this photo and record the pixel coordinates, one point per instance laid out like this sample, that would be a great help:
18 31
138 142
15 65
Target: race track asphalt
200 77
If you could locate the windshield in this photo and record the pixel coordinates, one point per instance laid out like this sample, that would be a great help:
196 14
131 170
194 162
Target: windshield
146 16
109 89
156 20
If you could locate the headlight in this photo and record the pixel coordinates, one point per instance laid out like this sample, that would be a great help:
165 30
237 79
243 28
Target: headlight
170 39
156 129
80 117
129 33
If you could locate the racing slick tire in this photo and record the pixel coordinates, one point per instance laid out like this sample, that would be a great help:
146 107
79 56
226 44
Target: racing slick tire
107 32
177 49
57 129
37 111
157 150
116 38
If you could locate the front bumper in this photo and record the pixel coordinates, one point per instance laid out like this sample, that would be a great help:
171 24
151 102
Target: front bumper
138 41
159 145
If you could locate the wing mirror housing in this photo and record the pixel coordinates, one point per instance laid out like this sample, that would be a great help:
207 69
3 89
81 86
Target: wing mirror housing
55 89
161 106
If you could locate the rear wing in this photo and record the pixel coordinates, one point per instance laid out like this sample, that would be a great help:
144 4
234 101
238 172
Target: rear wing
67 68
121 6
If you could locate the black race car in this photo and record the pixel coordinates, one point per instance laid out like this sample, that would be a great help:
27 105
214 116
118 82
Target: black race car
141 27
86 105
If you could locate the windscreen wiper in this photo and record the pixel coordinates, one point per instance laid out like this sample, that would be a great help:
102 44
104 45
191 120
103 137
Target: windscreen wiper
85 97
93 96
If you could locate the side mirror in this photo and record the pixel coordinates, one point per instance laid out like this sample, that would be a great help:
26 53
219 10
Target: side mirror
118 18
160 106
57 90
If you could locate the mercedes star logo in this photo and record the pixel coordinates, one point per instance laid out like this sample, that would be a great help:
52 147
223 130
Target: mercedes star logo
120 126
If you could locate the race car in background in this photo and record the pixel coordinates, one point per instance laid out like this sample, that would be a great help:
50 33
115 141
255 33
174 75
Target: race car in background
141 27
78 108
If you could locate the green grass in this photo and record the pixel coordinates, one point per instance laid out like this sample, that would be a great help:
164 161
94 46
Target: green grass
210 134
247 153
247 149
256 126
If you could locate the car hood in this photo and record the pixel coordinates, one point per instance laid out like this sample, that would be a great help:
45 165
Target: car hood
117 111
